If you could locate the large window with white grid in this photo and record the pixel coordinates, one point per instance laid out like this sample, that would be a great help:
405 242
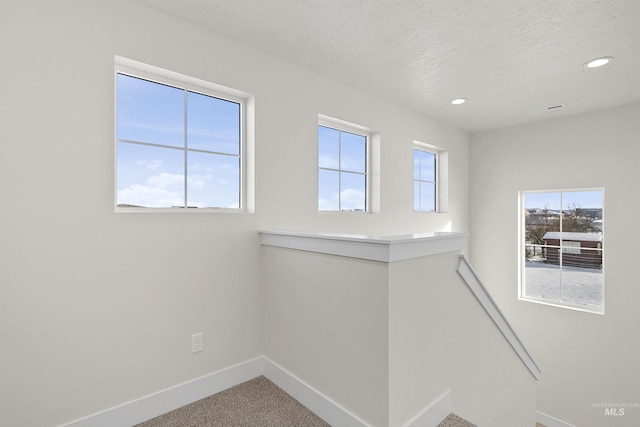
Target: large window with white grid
562 248
180 143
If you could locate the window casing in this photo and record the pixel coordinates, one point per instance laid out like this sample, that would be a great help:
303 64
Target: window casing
425 179
343 167
180 142
561 248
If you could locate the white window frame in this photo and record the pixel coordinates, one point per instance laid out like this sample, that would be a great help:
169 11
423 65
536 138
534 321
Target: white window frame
344 126
426 148
562 246
170 78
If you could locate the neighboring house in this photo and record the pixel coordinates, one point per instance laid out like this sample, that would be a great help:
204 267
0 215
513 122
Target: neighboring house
578 249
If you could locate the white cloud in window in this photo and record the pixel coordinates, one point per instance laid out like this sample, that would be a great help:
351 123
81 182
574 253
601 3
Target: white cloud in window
144 195
328 205
162 190
199 181
150 164
352 199
166 181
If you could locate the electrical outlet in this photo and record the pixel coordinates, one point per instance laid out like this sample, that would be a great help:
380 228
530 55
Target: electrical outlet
197 342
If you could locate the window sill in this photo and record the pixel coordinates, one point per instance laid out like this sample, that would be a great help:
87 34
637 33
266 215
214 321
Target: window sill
345 212
182 211
574 307
430 212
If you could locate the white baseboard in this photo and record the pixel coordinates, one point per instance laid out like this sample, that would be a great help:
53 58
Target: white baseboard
163 401
433 414
317 402
160 402
549 421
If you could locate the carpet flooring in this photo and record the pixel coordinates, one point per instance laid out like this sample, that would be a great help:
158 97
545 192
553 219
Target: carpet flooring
455 421
255 403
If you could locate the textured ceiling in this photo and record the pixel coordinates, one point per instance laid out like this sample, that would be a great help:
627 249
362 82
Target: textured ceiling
506 56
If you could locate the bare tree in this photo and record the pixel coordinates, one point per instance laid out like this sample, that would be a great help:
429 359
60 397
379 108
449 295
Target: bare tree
538 223
578 220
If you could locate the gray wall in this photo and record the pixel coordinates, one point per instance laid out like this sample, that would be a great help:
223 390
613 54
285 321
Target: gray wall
585 358
327 322
98 308
440 338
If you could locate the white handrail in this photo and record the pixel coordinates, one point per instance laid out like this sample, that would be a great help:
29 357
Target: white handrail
478 289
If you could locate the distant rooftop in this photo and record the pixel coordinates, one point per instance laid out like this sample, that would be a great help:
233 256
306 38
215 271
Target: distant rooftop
573 236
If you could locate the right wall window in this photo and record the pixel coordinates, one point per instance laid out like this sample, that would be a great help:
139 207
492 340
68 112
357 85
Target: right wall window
562 248
425 180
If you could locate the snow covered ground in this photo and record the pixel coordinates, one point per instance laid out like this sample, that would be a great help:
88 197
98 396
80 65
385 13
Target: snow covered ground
574 285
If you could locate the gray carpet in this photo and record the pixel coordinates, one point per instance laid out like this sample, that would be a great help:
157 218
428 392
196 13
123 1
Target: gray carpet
455 421
255 403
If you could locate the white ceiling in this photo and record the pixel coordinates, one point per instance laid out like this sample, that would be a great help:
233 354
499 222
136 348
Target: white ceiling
506 56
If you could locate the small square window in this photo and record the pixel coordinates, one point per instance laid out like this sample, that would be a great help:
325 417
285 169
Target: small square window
425 182
342 168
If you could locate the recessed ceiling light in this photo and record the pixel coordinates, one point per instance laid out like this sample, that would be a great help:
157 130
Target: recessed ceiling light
458 101
598 62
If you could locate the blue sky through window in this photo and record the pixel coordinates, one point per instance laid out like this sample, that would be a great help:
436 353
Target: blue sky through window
342 163
424 184
153 167
150 112
213 124
588 199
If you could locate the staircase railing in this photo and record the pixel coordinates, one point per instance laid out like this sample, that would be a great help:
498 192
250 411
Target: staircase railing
478 289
